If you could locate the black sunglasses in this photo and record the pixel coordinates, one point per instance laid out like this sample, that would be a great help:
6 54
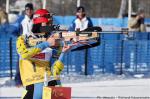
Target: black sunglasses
47 16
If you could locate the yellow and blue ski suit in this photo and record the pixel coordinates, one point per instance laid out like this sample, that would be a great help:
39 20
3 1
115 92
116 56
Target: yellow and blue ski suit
34 63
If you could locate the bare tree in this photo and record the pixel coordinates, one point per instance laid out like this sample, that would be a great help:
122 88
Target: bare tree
122 8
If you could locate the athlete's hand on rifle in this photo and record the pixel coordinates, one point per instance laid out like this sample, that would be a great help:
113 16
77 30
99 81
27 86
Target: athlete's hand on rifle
66 48
52 41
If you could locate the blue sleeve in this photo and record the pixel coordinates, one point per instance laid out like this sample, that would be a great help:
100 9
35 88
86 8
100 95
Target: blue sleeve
72 26
61 57
53 59
43 45
90 24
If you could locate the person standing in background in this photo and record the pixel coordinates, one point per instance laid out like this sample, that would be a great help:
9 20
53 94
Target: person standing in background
136 23
3 17
27 21
81 22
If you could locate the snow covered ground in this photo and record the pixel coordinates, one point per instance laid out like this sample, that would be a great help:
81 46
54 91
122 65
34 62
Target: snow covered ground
131 88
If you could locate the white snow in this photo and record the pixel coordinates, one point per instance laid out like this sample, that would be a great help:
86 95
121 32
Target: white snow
138 88
107 89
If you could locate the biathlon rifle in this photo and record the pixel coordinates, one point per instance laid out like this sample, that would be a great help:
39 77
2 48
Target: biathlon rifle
88 38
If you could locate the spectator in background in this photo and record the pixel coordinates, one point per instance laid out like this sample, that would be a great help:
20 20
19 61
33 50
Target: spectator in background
27 21
136 23
81 22
3 17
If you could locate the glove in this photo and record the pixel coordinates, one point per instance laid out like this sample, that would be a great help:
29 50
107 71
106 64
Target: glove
57 69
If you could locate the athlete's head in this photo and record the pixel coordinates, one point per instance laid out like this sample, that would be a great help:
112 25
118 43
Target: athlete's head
42 17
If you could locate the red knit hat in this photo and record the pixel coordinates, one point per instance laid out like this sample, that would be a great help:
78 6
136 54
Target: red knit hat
41 16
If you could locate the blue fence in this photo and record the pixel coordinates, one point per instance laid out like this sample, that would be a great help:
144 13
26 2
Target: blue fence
113 55
67 20
118 22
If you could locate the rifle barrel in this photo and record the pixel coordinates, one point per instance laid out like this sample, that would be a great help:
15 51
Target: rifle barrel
103 32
